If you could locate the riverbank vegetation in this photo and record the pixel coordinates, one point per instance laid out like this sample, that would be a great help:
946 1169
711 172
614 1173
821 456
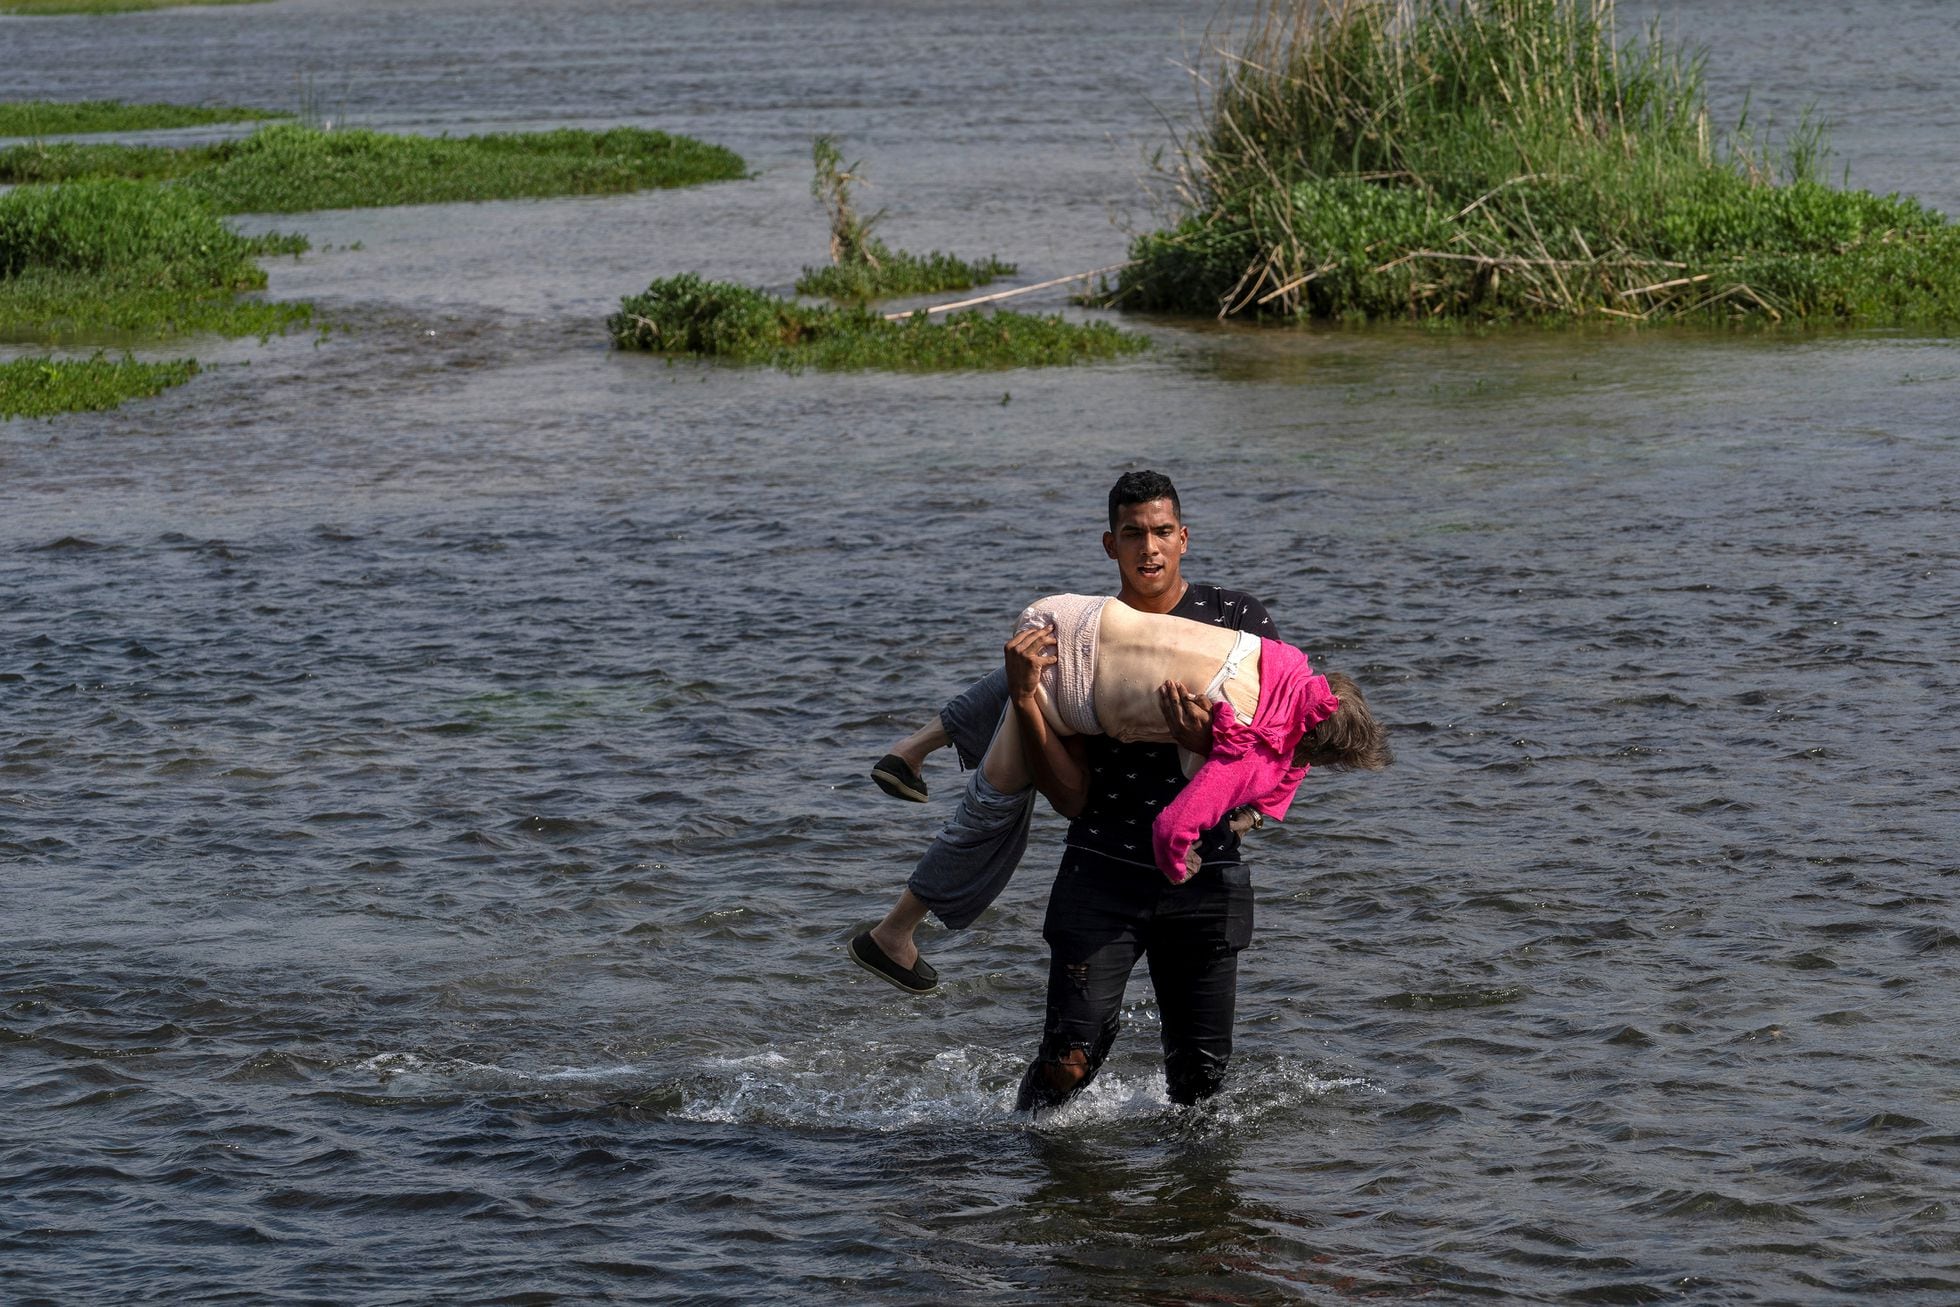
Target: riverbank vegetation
1493 160
863 267
687 315
291 168
104 6
43 387
78 118
119 258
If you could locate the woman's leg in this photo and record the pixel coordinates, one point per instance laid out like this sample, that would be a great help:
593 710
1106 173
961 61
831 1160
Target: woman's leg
974 855
894 932
966 722
1005 767
922 743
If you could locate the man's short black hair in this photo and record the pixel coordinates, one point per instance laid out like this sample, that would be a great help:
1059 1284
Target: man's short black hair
1141 488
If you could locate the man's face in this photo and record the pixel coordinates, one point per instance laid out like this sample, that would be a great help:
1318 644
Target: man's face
1147 543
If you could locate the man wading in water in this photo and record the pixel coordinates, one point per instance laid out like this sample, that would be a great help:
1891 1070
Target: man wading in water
1109 905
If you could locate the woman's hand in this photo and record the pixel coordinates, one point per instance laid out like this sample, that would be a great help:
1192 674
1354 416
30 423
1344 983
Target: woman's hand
1187 715
1027 654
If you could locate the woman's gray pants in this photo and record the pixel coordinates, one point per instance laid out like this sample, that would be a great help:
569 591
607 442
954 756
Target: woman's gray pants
973 857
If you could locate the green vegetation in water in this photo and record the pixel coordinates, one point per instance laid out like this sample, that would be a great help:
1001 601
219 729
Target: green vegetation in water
97 258
104 6
290 168
862 267
686 315
1491 160
43 387
78 118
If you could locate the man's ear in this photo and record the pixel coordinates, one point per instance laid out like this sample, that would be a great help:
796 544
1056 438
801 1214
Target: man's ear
1109 543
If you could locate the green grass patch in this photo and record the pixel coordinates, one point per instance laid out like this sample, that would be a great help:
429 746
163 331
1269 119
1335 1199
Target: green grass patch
291 168
104 6
897 272
862 267
43 387
42 164
1493 160
121 258
78 118
687 315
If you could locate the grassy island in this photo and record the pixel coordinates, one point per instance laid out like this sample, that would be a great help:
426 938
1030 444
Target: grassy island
104 6
289 168
78 118
1505 160
121 259
43 387
862 267
687 315
886 273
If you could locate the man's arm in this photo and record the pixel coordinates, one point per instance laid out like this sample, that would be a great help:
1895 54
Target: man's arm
1052 761
1253 617
1188 716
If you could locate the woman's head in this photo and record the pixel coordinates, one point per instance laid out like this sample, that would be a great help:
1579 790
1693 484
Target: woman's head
1350 740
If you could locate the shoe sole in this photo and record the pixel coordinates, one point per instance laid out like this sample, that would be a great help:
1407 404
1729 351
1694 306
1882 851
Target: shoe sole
886 976
897 786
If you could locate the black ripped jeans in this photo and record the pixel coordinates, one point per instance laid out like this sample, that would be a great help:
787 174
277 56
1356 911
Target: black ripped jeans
1103 916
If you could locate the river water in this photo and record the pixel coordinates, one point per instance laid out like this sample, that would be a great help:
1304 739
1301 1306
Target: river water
432 756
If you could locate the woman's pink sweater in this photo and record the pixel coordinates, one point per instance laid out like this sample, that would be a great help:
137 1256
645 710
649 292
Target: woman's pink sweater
1248 764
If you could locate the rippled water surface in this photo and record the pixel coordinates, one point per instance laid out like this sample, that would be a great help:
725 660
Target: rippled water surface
432 794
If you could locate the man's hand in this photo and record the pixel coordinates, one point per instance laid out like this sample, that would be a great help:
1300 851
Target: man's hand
1027 654
1187 715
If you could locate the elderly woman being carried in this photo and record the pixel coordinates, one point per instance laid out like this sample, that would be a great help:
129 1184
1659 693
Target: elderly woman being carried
1106 669
1087 665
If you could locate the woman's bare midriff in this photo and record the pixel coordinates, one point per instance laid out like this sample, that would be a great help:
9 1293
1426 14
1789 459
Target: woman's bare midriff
1136 652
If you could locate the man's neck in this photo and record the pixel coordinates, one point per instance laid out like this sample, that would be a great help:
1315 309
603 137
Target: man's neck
1162 603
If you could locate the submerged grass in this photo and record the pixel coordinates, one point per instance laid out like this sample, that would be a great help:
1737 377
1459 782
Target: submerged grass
78 118
1508 160
104 6
99 258
862 267
43 387
687 315
291 168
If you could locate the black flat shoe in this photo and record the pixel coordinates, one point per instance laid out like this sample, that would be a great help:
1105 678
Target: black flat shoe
895 777
919 978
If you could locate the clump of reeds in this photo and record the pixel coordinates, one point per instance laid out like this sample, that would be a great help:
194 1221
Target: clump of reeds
121 257
688 315
1493 159
863 267
291 168
851 240
43 387
80 117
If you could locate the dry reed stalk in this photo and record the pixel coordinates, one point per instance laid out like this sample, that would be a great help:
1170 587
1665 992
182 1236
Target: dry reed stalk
1295 284
1521 261
1665 285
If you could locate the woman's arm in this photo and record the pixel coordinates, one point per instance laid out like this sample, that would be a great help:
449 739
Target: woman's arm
1220 786
1052 760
